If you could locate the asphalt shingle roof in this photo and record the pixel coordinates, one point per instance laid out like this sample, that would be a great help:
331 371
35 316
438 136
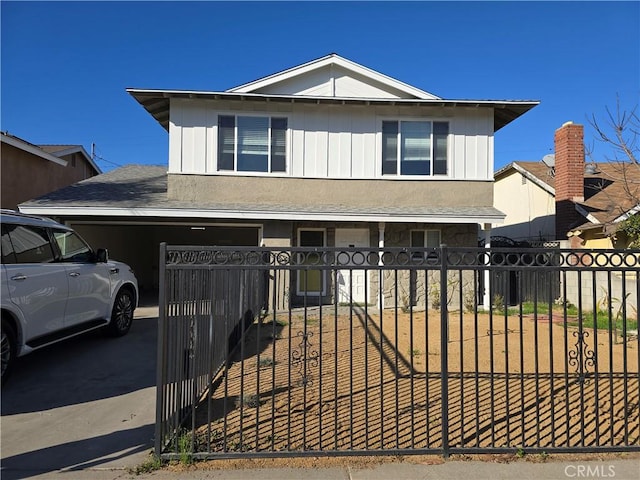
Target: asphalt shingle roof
130 186
144 186
612 190
56 148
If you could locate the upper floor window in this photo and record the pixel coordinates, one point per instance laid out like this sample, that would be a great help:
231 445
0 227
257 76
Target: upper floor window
252 144
414 147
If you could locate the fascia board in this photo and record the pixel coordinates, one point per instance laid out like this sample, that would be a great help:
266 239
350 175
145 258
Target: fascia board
253 215
530 176
332 60
582 211
282 75
32 149
228 95
627 214
385 79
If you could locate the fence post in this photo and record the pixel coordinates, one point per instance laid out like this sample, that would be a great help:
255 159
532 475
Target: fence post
161 349
444 347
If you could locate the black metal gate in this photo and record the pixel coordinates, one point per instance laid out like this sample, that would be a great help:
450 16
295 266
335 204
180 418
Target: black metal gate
425 364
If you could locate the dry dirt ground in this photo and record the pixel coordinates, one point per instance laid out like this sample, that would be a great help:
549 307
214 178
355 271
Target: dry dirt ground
350 380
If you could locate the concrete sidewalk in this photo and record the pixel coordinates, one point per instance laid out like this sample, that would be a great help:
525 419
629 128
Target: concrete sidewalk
618 469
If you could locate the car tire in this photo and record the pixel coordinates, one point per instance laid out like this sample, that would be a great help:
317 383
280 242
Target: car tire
122 314
8 350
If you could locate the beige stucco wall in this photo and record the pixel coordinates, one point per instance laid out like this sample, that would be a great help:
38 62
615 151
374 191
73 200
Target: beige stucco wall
530 210
354 193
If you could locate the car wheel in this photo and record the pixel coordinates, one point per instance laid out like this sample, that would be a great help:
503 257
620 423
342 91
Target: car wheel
8 350
122 314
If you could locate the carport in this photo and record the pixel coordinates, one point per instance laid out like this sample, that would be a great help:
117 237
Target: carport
138 243
128 211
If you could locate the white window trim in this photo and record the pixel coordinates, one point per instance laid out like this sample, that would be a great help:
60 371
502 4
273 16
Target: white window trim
269 115
300 292
398 175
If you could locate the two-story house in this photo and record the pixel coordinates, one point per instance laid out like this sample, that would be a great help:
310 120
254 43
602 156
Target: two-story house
328 153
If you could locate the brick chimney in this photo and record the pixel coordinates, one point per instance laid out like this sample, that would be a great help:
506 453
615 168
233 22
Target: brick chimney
569 176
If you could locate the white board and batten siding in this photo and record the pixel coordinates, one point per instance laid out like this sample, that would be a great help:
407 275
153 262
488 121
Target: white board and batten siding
328 141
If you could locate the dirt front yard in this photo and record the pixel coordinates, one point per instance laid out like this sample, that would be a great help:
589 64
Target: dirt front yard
351 380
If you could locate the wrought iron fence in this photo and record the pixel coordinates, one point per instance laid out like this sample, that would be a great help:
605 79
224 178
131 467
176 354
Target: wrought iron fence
395 351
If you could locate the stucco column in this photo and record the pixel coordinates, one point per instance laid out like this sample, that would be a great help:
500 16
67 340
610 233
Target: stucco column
381 227
278 235
486 300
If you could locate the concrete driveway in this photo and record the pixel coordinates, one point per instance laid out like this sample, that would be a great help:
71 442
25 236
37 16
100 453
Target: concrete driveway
87 403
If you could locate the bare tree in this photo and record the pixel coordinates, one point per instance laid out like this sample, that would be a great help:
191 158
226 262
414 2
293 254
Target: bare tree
620 132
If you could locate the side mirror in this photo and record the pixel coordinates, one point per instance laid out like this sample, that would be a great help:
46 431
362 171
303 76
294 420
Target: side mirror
102 255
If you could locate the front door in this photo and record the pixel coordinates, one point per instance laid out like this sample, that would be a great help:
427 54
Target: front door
352 284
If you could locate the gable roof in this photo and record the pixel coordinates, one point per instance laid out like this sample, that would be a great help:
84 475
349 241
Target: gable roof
611 192
63 150
52 153
333 65
330 80
30 148
537 172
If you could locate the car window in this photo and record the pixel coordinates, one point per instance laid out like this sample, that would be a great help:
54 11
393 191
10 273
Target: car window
8 255
30 244
72 247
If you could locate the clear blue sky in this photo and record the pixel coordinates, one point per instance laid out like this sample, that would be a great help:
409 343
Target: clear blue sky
65 65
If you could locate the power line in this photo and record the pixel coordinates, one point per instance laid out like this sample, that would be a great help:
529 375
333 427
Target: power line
95 156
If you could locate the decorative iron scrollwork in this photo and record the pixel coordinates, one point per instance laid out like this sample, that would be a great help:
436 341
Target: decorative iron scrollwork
582 357
305 358
539 258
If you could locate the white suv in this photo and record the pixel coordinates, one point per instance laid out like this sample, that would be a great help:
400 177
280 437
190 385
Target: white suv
55 286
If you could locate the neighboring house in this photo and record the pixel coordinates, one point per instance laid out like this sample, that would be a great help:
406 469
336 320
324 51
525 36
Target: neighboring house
524 192
30 171
569 199
328 153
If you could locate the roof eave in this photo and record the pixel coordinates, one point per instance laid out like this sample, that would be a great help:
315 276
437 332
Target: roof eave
79 149
98 211
30 148
527 174
156 102
631 212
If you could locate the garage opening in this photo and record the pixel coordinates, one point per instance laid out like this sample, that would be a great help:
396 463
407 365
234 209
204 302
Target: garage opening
138 245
